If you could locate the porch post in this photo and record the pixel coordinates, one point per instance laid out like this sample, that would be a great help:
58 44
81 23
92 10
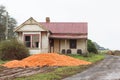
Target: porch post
65 44
48 41
40 40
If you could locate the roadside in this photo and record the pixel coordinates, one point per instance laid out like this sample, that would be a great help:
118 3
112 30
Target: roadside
50 73
108 69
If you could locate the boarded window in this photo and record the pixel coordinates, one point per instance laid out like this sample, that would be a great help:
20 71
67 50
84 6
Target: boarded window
73 43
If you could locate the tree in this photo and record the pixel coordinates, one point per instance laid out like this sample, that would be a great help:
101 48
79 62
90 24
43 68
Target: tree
2 30
11 24
2 16
99 47
91 47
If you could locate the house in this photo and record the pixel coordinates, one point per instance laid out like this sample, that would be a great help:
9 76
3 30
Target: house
60 37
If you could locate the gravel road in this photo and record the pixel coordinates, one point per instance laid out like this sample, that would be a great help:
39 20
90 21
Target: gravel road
108 69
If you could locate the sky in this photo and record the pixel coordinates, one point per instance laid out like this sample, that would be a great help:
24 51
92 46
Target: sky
102 16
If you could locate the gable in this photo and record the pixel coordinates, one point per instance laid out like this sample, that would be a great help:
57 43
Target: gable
30 25
31 28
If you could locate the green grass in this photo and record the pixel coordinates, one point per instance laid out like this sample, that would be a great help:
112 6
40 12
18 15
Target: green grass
62 72
91 57
2 62
57 74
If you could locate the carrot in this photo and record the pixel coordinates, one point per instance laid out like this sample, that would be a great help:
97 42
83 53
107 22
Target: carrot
46 59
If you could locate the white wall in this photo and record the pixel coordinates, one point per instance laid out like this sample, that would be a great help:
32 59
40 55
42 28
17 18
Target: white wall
31 28
81 44
45 42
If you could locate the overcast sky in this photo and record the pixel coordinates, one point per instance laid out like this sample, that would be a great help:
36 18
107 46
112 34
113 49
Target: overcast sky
103 16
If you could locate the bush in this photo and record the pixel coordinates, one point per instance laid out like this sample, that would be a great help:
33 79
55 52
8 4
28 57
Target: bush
12 49
91 47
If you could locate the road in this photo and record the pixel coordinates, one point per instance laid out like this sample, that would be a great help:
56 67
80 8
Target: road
108 69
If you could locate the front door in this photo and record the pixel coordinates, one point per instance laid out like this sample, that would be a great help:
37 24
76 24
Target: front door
51 45
54 45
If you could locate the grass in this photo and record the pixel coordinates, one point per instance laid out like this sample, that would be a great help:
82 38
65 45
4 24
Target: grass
91 57
2 62
62 72
57 74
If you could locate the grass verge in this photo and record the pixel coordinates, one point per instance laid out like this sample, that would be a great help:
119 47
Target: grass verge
63 72
91 57
57 74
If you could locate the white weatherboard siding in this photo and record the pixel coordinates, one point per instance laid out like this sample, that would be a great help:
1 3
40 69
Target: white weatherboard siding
20 36
31 28
32 32
34 51
44 42
81 44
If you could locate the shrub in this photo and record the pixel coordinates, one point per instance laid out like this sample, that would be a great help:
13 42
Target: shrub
12 49
91 47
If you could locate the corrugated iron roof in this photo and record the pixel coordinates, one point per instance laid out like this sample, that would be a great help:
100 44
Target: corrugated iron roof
66 27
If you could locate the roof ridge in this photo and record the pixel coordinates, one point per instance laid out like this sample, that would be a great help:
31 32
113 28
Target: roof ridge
63 22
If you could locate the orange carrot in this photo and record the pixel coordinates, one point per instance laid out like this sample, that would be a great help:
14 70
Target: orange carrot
46 59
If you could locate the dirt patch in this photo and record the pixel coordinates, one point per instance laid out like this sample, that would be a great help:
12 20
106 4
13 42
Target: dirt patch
11 73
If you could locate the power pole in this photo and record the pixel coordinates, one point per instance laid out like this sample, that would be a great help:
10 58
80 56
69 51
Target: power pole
6 31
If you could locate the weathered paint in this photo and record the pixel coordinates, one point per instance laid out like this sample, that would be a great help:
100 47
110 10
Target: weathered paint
66 27
56 45
81 44
34 51
45 42
20 36
31 28
60 33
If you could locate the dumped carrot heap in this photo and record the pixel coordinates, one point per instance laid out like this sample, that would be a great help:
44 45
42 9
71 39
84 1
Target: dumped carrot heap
46 59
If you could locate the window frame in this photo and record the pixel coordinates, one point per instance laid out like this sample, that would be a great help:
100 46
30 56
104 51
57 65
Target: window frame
73 43
31 40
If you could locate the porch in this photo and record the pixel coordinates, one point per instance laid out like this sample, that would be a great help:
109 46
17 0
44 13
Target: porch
68 46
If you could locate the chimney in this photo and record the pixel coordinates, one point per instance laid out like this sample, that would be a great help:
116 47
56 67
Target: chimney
47 20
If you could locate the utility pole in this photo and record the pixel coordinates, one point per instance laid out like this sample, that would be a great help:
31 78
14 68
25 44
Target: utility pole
6 31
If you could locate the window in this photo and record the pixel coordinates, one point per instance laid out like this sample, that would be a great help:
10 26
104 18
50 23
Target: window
32 41
35 41
27 41
73 43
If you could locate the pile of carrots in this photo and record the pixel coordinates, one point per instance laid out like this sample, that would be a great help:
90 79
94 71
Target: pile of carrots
46 59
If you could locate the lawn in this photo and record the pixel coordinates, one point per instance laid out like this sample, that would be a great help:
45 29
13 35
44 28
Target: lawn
57 74
63 72
91 57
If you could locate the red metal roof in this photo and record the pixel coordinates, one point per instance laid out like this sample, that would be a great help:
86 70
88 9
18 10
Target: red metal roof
66 27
